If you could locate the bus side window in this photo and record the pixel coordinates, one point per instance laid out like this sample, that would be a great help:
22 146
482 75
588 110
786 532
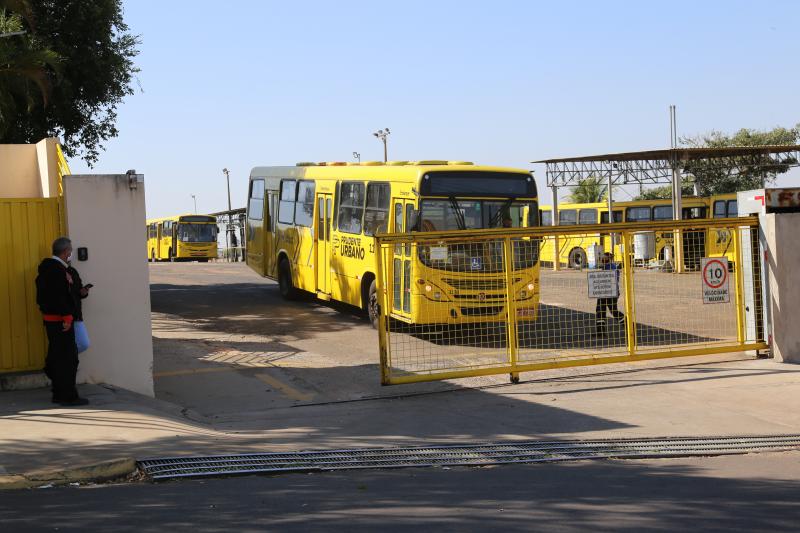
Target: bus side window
398 217
304 208
662 212
617 216
567 217
733 208
546 218
376 215
255 207
351 207
637 214
694 213
719 209
587 216
286 206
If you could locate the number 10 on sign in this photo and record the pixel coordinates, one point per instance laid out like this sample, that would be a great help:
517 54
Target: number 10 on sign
715 280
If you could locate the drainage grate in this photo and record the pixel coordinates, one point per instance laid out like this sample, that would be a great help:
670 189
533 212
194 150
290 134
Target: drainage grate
461 455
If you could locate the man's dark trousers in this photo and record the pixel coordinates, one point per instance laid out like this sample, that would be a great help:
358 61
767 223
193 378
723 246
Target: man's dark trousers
61 365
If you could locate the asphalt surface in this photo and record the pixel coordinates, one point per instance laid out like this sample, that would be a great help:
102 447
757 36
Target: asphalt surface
734 493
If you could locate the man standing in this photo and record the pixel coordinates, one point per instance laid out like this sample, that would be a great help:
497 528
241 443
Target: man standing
608 304
57 304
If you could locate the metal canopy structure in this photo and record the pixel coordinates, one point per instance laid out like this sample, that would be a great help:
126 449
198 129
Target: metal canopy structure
653 167
233 221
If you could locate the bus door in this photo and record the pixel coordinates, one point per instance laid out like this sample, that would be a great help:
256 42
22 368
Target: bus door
322 231
160 241
401 259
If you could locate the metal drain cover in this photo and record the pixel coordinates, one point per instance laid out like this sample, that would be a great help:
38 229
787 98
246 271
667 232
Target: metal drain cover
476 454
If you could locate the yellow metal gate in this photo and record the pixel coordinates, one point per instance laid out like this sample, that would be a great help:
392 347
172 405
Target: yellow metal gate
480 302
28 226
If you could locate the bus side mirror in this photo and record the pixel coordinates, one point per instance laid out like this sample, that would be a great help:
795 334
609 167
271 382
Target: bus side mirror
413 221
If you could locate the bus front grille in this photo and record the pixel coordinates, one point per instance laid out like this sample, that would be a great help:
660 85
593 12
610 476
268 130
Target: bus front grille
482 311
477 284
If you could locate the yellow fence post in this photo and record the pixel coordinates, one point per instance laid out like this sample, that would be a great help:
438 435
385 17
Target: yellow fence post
511 327
556 254
627 271
383 318
739 288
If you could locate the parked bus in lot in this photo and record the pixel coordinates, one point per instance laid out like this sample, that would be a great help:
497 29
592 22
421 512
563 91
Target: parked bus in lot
573 251
311 228
182 238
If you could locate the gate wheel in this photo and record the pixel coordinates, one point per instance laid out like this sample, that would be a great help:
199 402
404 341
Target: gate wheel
577 258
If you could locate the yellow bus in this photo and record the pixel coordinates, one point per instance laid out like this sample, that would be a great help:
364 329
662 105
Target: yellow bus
574 251
182 238
311 228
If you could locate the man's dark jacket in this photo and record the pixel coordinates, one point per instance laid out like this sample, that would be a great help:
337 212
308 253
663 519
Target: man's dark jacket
54 291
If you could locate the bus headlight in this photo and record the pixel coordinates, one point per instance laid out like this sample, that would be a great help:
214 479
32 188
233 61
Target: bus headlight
428 288
523 294
530 287
437 295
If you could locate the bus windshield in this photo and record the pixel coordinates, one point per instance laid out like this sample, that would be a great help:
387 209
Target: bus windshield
454 214
197 232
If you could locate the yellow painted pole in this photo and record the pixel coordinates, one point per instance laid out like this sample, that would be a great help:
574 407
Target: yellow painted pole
556 254
739 282
383 318
511 306
630 317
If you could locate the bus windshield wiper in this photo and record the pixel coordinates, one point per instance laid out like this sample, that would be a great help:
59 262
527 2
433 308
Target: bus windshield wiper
496 217
457 211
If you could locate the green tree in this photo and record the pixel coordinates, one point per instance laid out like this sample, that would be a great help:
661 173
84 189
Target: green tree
96 53
589 190
746 172
25 67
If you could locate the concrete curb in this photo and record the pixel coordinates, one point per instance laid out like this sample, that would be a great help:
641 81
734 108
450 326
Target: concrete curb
102 471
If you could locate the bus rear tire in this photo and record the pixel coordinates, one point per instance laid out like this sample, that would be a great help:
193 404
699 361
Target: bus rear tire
577 258
285 285
373 307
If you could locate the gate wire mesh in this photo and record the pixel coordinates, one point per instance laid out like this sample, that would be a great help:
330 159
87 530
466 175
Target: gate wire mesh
481 302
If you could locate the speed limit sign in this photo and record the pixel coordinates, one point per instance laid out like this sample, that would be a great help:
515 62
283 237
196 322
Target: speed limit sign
715 280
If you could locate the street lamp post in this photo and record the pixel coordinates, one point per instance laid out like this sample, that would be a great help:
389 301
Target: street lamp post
382 135
228 228
194 199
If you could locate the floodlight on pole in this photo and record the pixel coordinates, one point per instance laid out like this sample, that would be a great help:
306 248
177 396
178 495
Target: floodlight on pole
194 199
382 135
357 156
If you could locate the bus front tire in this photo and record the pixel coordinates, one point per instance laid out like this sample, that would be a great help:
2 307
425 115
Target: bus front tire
577 258
288 291
373 307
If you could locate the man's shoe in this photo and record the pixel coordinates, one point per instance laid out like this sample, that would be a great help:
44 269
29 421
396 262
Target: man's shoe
75 403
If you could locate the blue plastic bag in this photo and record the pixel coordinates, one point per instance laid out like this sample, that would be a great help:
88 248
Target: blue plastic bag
81 336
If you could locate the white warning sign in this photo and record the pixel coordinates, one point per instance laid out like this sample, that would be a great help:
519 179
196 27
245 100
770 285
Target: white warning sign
603 283
715 280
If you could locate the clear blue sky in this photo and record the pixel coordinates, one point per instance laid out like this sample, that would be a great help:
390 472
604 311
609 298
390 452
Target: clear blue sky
240 84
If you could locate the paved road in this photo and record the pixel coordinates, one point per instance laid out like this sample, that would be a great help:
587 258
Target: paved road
745 493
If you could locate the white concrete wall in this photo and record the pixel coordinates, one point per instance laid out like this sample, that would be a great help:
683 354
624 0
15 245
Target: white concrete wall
783 241
106 216
29 170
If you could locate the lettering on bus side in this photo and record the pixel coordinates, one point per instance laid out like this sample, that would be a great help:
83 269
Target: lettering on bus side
351 247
